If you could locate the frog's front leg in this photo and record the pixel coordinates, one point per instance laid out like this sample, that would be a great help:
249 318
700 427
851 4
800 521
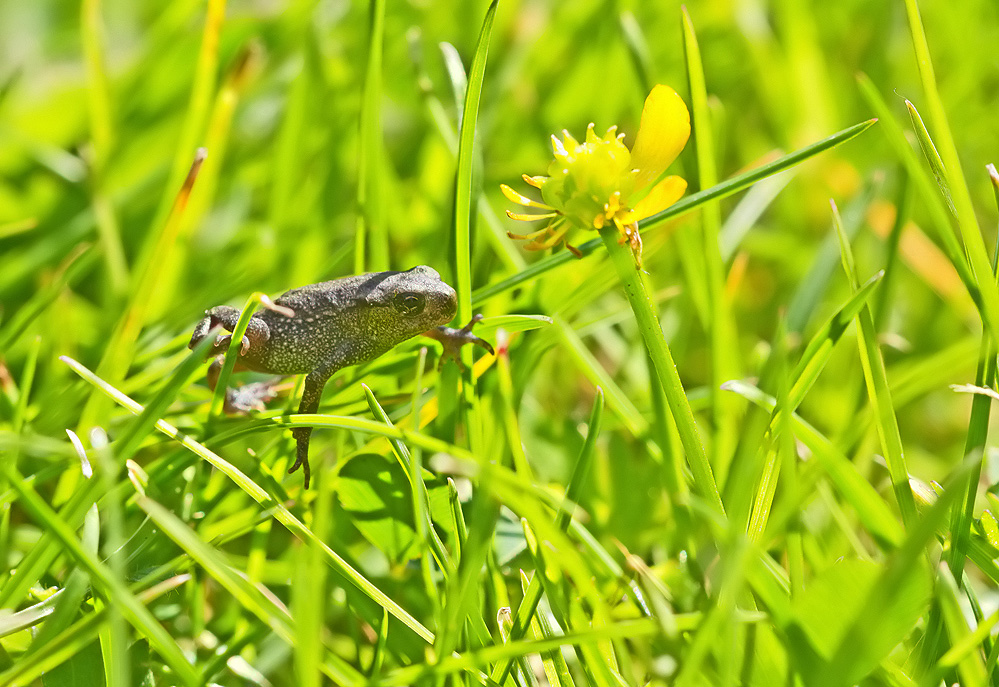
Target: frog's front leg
250 396
453 339
313 392
257 331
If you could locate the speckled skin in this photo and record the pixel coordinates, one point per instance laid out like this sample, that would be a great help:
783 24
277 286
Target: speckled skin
336 323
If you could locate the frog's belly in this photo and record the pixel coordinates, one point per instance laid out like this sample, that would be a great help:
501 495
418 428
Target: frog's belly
286 359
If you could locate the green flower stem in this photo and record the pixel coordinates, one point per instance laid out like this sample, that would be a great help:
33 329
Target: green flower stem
655 342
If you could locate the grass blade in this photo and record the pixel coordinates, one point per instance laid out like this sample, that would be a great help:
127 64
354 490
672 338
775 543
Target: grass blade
877 387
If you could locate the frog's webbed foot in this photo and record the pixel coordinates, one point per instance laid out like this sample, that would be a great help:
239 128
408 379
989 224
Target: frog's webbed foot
453 339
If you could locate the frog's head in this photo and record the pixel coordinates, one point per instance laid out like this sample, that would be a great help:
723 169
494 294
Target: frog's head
411 302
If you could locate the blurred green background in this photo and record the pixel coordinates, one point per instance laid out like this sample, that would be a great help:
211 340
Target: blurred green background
102 106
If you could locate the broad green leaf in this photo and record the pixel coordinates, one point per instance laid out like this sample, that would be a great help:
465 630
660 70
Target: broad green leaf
375 493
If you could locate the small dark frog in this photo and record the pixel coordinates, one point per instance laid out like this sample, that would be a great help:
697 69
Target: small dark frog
334 324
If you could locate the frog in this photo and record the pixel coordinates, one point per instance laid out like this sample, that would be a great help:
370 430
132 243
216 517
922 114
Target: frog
321 328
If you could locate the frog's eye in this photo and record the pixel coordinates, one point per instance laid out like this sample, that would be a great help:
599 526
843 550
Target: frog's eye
409 303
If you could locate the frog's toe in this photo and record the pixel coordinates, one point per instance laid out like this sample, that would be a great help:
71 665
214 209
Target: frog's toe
453 339
250 397
223 340
200 331
302 454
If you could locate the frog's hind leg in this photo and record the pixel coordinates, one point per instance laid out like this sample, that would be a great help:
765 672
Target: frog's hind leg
313 392
242 399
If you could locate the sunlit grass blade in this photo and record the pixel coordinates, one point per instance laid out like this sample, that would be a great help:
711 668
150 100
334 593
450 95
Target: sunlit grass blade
32 566
821 345
939 215
488 326
721 327
970 666
114 637
809 293
423 523
281 514
202 91
120 350
27 382
682 206
511 650
77 584
235 347
556 669
877 386
617 400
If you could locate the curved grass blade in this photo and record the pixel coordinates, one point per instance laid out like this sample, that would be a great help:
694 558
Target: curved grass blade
820 347
76 637
281 513
904 566
250 597
682 206
917 172
104 579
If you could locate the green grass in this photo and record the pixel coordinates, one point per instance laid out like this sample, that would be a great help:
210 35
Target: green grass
744 465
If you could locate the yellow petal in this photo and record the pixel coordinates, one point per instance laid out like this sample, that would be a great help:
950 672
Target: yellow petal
660 197
662 134
536 182
522 200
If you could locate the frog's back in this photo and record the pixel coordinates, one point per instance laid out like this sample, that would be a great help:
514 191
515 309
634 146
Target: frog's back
328 295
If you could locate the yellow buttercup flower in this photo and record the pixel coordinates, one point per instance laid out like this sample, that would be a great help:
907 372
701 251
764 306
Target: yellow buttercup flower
600 182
